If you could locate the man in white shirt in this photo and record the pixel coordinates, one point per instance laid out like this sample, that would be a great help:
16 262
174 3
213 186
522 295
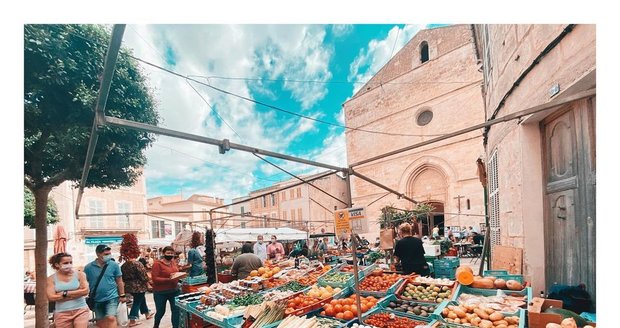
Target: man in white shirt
260 249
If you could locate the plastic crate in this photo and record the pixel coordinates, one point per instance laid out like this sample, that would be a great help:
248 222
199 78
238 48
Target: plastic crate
229 322
494 273
197 280
437 317
448 273
447 262
379 295
429 320
383 303
400 290
322 282
526 292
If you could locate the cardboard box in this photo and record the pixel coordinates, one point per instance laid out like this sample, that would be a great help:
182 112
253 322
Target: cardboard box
536 316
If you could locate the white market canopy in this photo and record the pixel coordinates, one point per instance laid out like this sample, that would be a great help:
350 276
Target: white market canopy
250 234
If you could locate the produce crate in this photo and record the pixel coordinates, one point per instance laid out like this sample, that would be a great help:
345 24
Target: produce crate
527 292
430 320
446 267
383 303
364 271
443 323
379 295
402 287
516 277
322 282
412 280
494 273
229 322
312 307
197 280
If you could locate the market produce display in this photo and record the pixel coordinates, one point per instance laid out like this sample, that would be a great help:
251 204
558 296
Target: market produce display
299 322
312 277
389 320
339 278
346 308
491 282
327 323
292 286
378 281
323 292
412 307
301 302
265 272
273 283
249 299
426 293
434 281
478 316
271 312
503 303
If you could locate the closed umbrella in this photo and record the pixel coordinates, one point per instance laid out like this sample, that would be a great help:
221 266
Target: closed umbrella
60 240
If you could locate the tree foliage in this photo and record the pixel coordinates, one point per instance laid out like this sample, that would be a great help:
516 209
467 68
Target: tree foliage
63 64
52 212
392 217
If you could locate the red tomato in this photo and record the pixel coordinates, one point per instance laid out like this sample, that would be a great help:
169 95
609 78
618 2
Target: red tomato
329 311
348 315
346 308
340 315
338 308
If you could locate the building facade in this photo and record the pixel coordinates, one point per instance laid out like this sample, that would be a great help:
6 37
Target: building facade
301 207
431 87
86 232
169 215
542 167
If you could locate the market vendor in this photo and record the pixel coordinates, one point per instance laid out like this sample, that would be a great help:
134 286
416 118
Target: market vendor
275 250
193 256
245 263
410 252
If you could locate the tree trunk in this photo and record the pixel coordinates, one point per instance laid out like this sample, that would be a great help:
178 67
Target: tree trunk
40 256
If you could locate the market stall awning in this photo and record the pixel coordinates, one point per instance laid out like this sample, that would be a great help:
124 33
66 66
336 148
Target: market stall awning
250 234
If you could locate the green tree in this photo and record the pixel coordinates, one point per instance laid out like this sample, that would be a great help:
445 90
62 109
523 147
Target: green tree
52 212
62 67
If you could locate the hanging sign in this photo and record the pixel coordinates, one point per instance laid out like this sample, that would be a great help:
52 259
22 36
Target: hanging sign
351 220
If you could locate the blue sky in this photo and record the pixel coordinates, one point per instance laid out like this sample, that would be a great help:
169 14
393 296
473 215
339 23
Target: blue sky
267 63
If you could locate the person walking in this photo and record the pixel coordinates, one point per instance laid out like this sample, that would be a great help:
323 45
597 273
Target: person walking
409 251
68 289
165 286
245 263
260 248
193 256
136 282
111 289
275 250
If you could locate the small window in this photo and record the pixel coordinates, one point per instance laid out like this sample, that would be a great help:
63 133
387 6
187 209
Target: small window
264 201
424 117
468 204
273 200
299 192
283 195
424 52
242 210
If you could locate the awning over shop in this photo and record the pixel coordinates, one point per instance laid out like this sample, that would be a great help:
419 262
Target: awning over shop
250 234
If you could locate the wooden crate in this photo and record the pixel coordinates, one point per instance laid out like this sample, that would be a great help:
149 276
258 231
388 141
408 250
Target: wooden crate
538 319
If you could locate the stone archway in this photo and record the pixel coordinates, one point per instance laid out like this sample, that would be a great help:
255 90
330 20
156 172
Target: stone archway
428 183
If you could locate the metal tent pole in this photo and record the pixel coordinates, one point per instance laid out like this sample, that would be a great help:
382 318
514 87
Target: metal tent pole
354 252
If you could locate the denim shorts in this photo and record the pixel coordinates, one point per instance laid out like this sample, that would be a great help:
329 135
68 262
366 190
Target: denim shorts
106 309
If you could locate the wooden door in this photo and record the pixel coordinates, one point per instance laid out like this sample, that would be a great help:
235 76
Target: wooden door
570 218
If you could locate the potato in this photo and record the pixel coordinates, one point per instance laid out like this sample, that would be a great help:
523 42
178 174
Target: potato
488 310
481 313
457 320
500 322
495 316
501 326
512 320
485 324
500 283
445 312
452 315
514 285
460 313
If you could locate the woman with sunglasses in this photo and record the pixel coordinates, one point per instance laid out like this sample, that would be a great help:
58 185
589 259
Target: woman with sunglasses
68 288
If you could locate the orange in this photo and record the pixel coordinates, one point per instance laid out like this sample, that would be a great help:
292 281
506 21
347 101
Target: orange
261 270
340 315
254 273
348 315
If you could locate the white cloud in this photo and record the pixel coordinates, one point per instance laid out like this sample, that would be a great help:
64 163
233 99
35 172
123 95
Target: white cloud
341 30
378 53
292 52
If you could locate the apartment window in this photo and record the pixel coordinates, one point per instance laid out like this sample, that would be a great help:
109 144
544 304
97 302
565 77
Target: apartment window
264 201
123 219
96 207
283 195
284 215
299 192
293 215
493 199
273 200
243 225
264 221
178 227
424 52
292 193
299 214
157 229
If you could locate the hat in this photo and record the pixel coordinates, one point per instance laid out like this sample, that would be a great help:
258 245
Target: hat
102 248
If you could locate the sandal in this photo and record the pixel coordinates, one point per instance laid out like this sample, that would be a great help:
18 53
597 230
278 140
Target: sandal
134 323
150 315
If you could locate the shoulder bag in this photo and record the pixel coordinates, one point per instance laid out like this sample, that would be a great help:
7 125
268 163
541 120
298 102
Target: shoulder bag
90 301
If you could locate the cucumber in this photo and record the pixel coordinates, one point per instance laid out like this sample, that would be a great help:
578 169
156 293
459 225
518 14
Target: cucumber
568 314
